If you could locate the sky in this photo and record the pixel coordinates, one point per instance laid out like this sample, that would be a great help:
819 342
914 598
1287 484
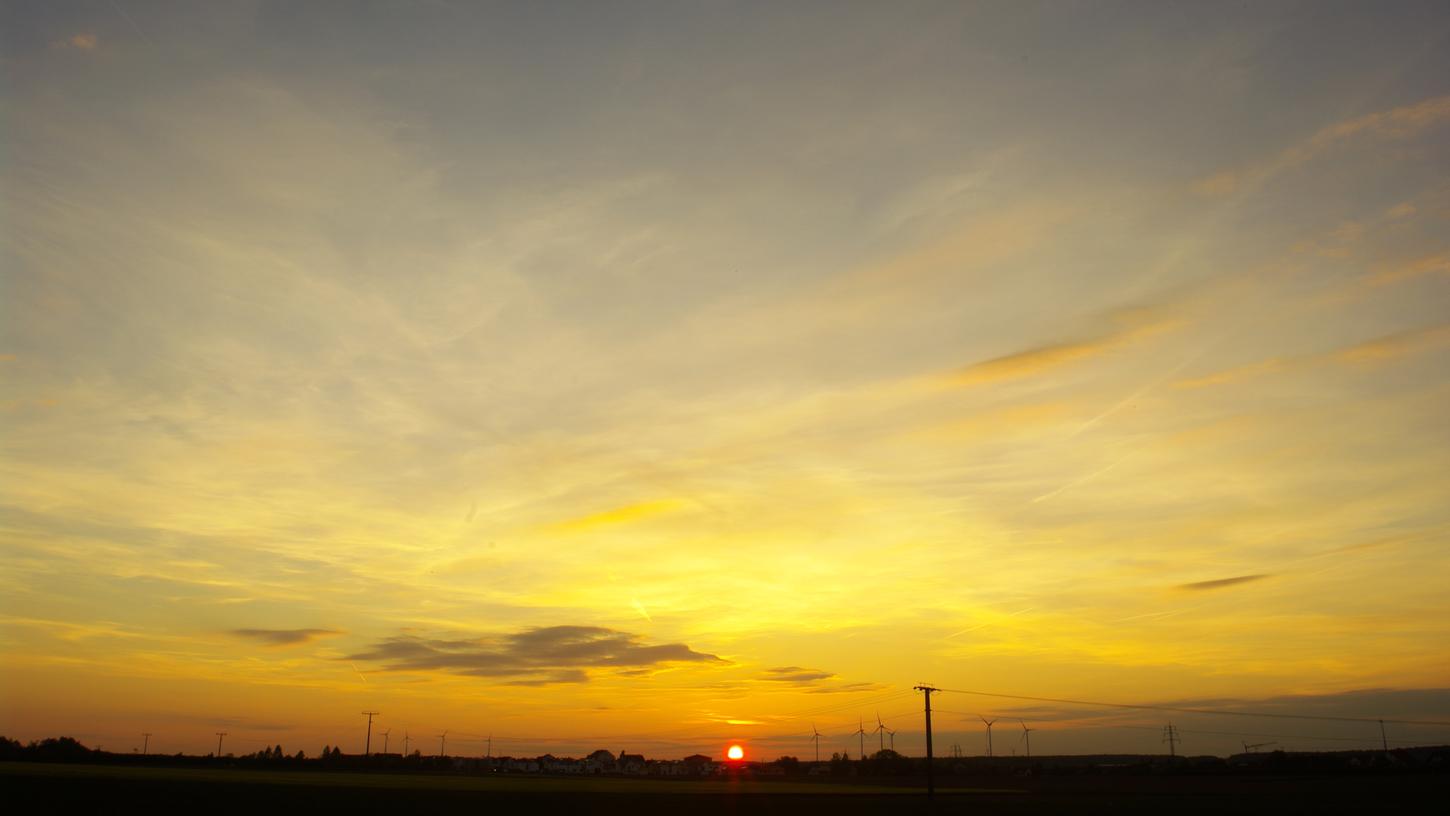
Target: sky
651 375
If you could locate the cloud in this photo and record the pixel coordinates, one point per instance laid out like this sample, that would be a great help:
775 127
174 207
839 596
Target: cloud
1399 123
1417 268
1380 349
796 674
1136 325
1221 583
1026 363
1394 345
813 681
284 637
85 41
845 688
1233 374
618 515
539 656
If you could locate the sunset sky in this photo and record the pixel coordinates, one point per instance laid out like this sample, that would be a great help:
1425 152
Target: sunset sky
643 376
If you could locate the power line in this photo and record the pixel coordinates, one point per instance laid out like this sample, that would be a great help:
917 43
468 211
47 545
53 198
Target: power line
1258 734
1181 710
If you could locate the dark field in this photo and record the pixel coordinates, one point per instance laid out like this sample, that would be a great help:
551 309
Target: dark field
36 787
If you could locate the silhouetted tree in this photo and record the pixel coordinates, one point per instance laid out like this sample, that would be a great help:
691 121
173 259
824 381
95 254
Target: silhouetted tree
58 749
10 749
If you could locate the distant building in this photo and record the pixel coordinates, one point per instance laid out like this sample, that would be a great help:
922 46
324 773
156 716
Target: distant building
633 764
698 765
600 761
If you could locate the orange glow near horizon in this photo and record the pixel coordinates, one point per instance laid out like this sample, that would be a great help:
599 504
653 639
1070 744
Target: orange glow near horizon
735 753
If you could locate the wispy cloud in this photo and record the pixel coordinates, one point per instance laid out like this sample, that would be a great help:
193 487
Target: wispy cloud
1395 345
1134 326
1420 267
1234 374
85 41
1399 123
617 515
814 681
1221 583
796 674
284 637
551 654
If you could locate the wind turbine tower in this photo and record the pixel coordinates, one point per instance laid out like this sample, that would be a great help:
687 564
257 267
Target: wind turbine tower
442 744
880 734
861 733
989 732
1027 737
385 739
816 738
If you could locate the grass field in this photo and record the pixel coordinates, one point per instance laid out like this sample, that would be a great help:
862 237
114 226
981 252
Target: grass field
113 789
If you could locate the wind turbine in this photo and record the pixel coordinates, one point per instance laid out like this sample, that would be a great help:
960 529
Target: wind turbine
1027 737
385 739
880 735
861 733
442 744
816 738
891 735
989 732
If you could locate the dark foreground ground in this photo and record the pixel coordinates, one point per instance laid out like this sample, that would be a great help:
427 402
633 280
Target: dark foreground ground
42 788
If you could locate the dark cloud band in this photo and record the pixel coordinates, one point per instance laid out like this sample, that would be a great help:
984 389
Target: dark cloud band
551 654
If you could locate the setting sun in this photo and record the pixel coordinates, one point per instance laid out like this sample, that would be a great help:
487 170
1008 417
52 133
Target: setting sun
735 752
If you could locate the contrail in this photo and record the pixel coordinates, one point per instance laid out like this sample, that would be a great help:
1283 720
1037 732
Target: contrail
128 19
639 607
1079 480
359 674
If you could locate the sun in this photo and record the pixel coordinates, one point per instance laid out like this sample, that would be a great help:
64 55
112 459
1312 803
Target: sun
735 752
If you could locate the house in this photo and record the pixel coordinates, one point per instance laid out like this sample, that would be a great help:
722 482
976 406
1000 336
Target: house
600 761
698 764
632 764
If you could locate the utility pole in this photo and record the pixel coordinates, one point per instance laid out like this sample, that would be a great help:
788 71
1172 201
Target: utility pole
368 746
930 781
1170 736
145 742
219 736
1384 743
